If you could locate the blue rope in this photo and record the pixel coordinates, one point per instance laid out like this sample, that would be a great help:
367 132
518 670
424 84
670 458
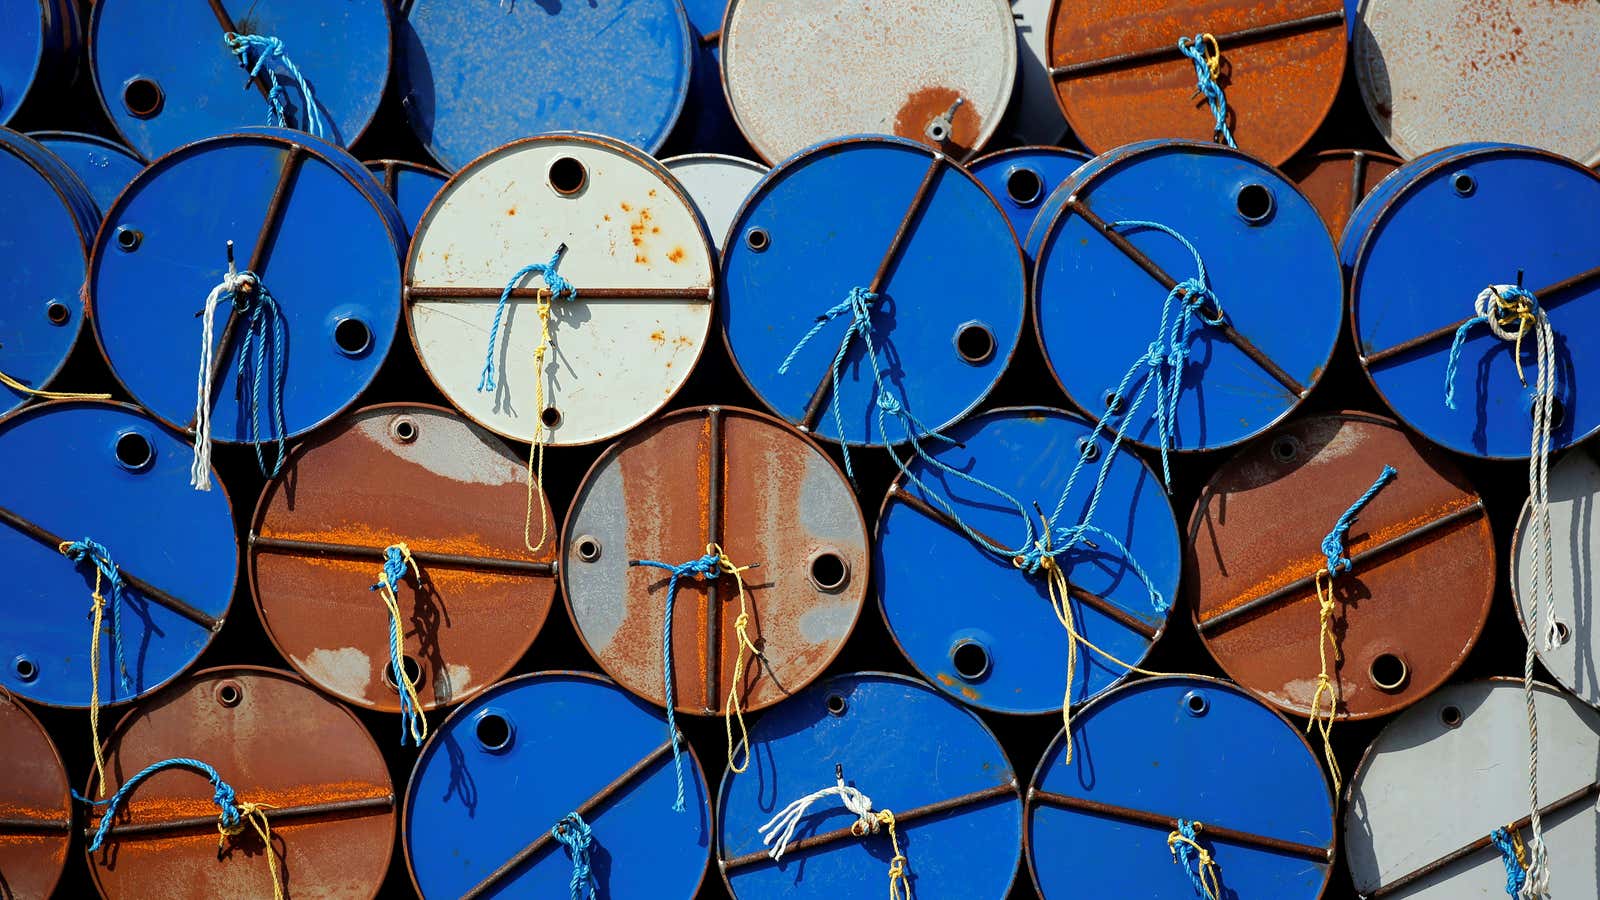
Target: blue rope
559 287
1333 544
394 571
1206 86
222 796
1454 360
1516 875
267 48
263 335
100 557
575 835
1189 857
706 567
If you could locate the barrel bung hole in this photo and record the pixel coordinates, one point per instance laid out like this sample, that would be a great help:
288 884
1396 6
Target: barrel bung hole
404 429
352 336
828 571
836 704
1195 703
1088 449
1254 203
1563 633
1388 672
127 238
588 548
1450 716
228 693
1024 186
408 665
26 669
568 176
551 417
141 97
757 239
1463 184
1285 448
133 451
57 313
975 342
493 731
970 659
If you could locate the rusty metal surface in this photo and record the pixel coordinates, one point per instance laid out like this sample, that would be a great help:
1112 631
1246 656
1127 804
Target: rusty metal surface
774 500
385 474
1335 181
35 806
1254 547
276 741
1124 79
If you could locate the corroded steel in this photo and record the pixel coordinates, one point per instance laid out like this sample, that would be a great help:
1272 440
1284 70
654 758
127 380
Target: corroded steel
1336 180
35 806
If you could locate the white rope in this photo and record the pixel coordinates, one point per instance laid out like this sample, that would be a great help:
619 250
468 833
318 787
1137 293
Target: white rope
200 470
780 829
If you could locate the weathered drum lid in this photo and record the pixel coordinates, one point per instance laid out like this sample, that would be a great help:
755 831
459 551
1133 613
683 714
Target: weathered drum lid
890 216
1180 747
411 186
1437 73
1121 78
1423 245
1410 610
35 805
1335 181
799 73
1574 482
456 496
107 472
504 769
620 70
768 497
166 77
275 741
996 643
1035 116
932 763
105 167
37 46
1261 241
305 217
1022 177
718 185
1466 747
636 252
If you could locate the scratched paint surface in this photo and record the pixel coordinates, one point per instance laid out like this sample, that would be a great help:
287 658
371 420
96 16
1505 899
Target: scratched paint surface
1574 482
33 785
105 166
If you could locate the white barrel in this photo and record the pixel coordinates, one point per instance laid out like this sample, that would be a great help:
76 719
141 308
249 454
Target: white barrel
718 184
1574 489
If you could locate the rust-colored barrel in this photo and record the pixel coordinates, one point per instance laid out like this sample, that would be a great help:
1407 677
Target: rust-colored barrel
35 806
1336 180
771 498
1407 613
457 497
305 759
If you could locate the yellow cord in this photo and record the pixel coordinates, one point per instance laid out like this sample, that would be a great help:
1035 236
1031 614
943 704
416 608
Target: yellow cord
732 711
1213 54
536 446
255 814
16 385
1325 640
899 884
1519 312
404 681
98 610
1517 847
1208 866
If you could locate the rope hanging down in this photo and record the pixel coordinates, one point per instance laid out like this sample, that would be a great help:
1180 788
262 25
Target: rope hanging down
1184 843
1515 857
413 721
574 833
105 572
267 48
706 567
261 354
1203 51
780 829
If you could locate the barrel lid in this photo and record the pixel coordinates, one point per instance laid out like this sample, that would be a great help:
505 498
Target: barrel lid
505 768
937 73
1022 177
620 71
1180 747
1335 181
890 216
935 765
127 488
104 166
412 186
718 184
996 644
1098 306
1574 483
1422 247
36 33
35 804
1035 116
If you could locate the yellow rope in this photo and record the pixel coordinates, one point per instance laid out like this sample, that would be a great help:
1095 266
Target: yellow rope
1519 312
899 884
732 711
1213 54
536 446
98 609
404 682
16 385
1208 866
255 814
1325 640
1517 847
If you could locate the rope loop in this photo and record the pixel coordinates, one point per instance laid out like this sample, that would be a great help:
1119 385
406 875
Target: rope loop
574 833
705 567
105 572
1333 548
779 830
261 356
1203 51
268 47
413 721
1184 844
1514 855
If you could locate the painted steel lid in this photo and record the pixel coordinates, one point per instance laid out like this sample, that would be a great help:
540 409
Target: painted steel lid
1421 248
35 805
1470 740
1120 76
996 644
1035 117
635 250
938 73
127 488
616 70
38 45
912 752
410 185
1410 609
306 760
1574 482
306 218
1335 181
1180 747
105 167
506 768
455 496
892 217
718 184
167 76
1436 73
1022 177
1101 277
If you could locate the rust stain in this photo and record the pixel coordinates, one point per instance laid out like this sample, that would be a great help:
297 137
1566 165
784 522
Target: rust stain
641 259
144 808
658 336
512 211
945 680
625 206
675 255
606 216
929 103
968 693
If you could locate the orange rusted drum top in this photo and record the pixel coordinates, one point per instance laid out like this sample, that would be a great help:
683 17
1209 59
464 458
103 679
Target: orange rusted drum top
1335 181
35 805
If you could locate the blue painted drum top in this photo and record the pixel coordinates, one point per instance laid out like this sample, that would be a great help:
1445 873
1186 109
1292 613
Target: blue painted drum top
1261 241
504 769
617 70
929 761
328 250
1180 747
895 218
996 643
37 45
105 167
1422 247
107 472
411 186
1021 178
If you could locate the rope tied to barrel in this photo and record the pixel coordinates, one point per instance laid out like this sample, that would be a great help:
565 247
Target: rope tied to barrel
267 47
1184 844
1202 50
574 833
105 573
261 355
780 829
705 567
1515 857
413 721
732 709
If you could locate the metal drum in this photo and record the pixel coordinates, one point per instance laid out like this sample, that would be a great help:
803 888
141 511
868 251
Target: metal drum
1574 483
105 167
718 185
931 763
1035 116
455 496
938 73
1100 277
1199 750
889 216
109 473
508 767
996 644
301 214
35 805
1022 177
1468 743
1335 181
1421 248
1437 72
307 761
38 46
411 186
1120 76
615 70
168 76
707 124
1408 612
635 250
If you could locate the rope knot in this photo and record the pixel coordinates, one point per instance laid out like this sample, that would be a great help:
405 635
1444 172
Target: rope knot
575 834
1184 844
1203 51
413 722
269 47
558 287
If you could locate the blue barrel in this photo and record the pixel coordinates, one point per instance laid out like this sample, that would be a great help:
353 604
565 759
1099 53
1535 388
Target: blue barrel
996 643
166 75
505 769
617 70
37 46
410 185
1180 747
1022 177
898 220
105 167
707 123
1423 246
1104 267
304 216
109 473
